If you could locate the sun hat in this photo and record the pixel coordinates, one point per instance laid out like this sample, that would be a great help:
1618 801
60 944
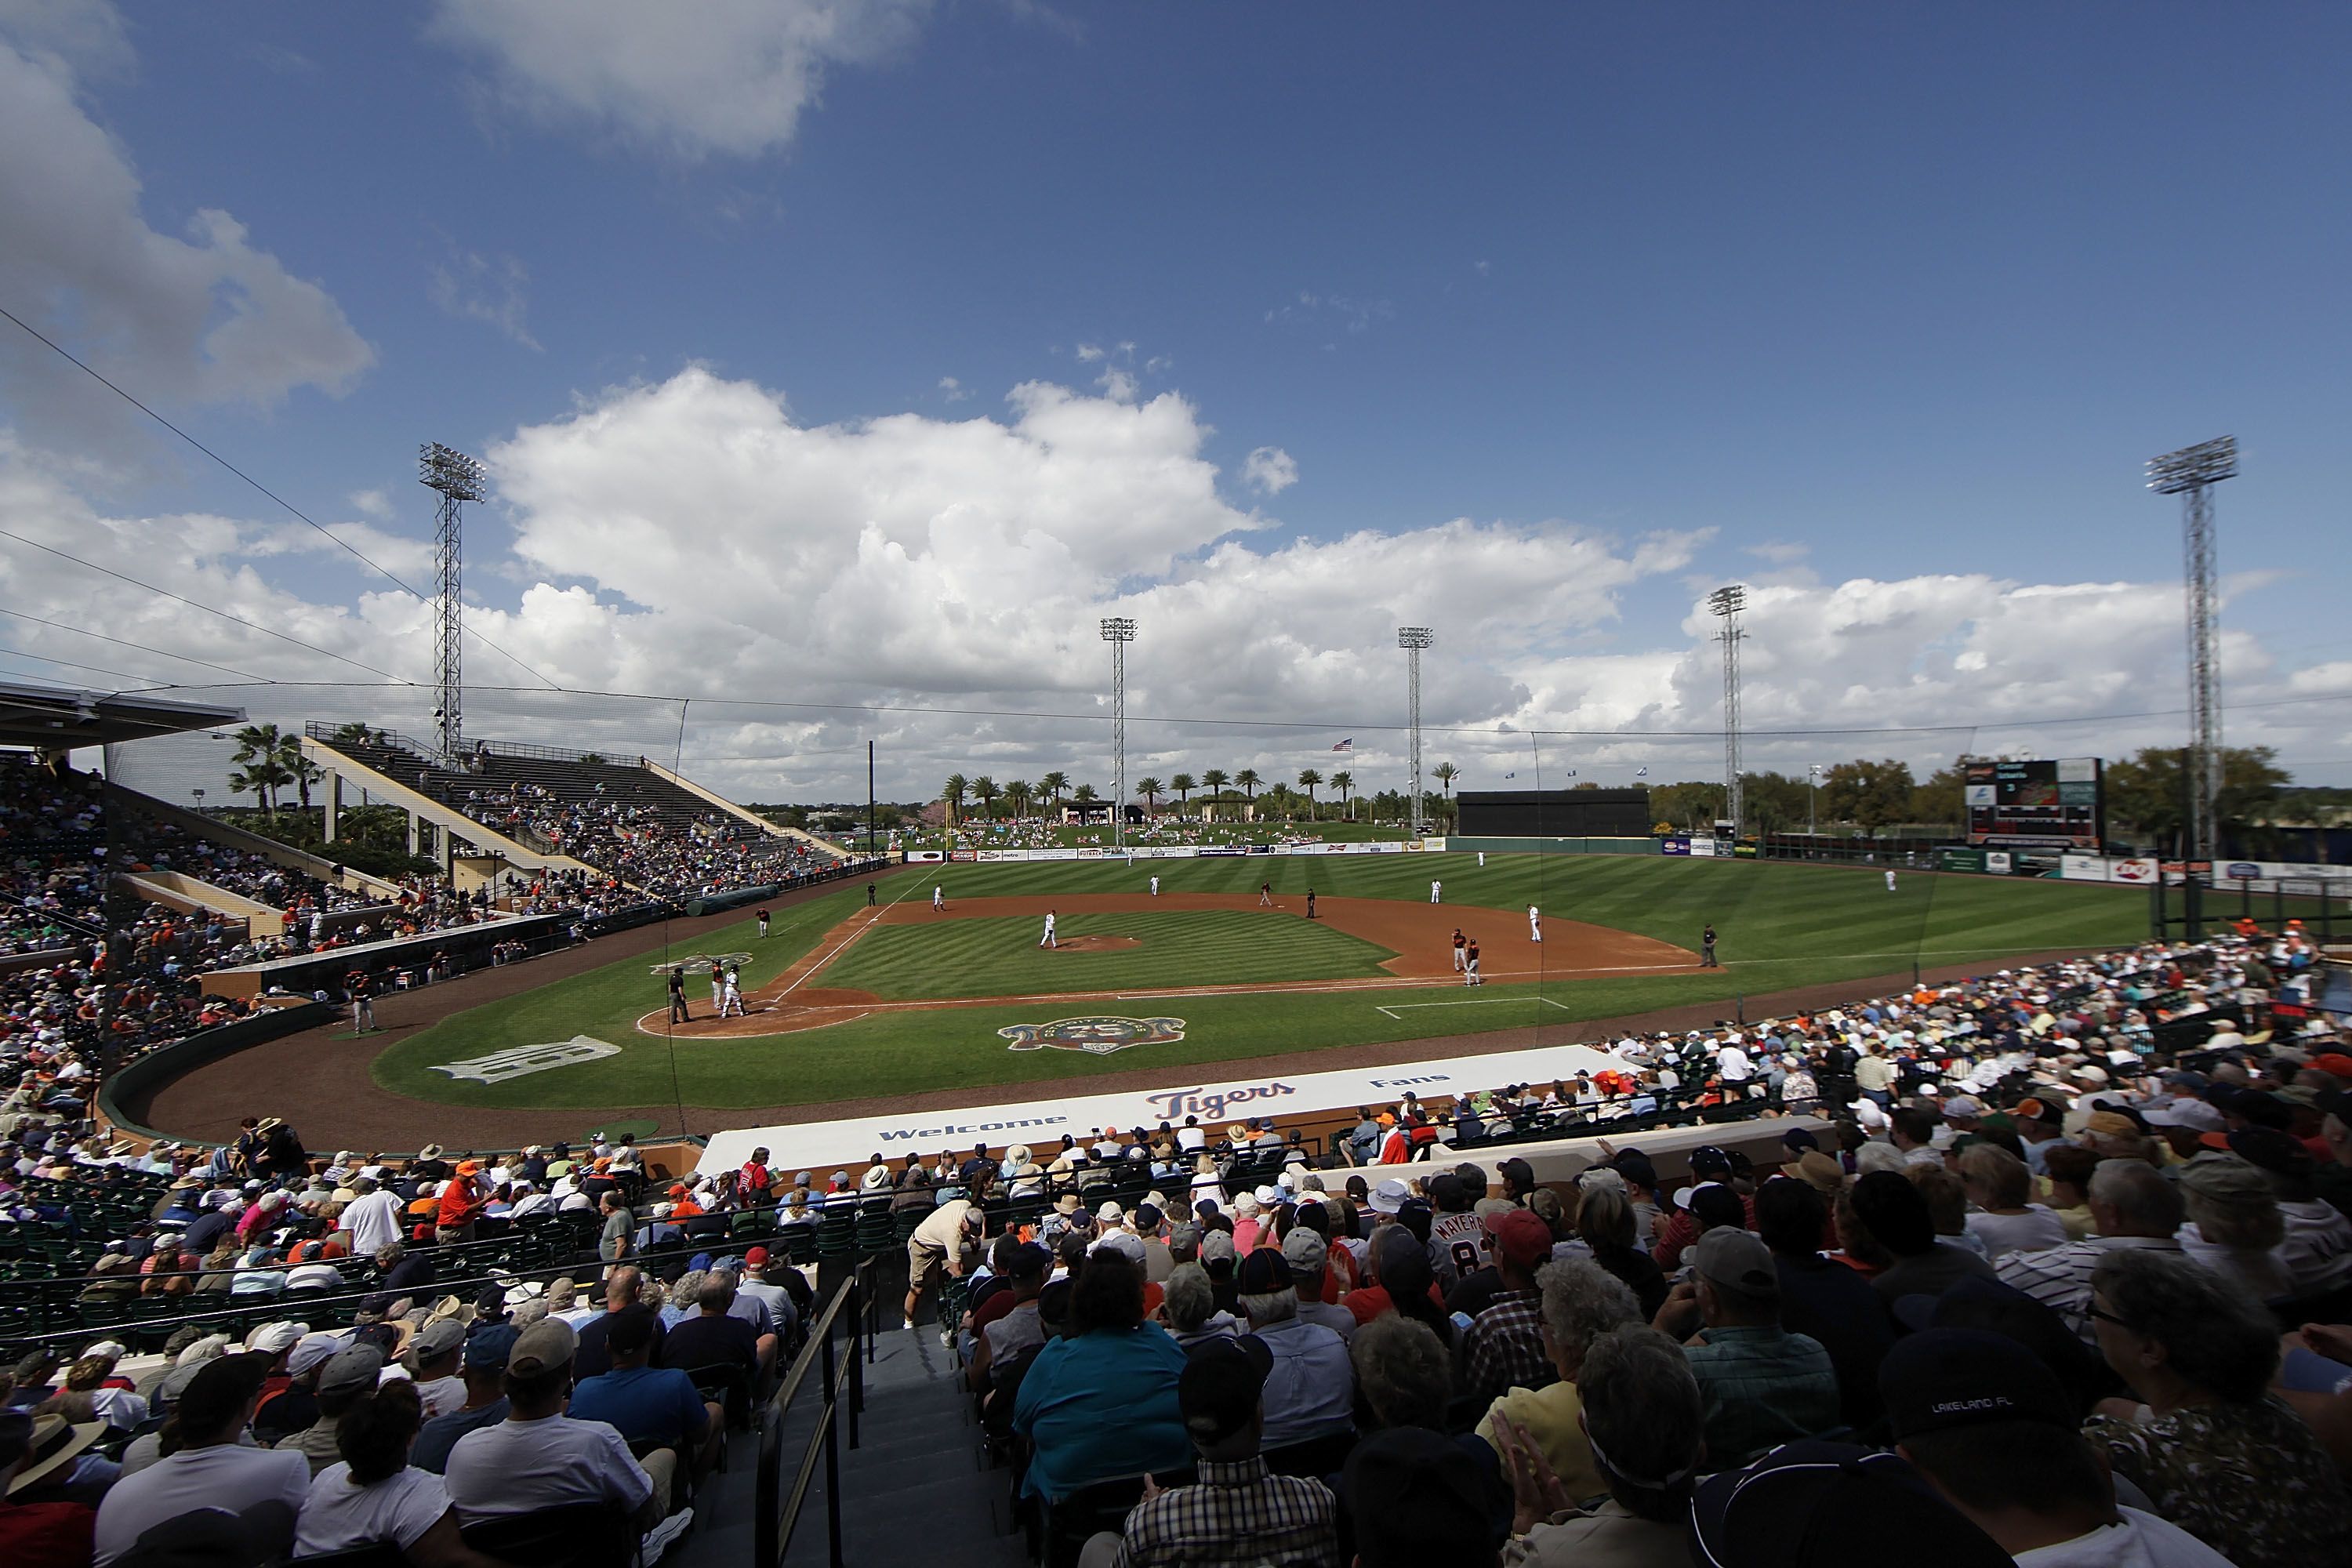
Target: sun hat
46 1444
1390 1195
1110 1213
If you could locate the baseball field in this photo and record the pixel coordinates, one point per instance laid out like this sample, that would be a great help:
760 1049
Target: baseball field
846 1001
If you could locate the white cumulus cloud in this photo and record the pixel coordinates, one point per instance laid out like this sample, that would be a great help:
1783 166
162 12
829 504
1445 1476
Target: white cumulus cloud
1270 469
729 76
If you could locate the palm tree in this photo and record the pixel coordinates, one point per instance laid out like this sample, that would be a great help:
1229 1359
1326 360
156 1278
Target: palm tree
1184 784
1344 780
254 781
1150 790
985 788
352 735
1084 794
1307 779
952 792
1445 773
1214 780
262 749
1018 794
1054 784
301 769
1247 779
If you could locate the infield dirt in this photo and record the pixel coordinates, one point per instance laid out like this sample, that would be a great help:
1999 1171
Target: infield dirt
1420 935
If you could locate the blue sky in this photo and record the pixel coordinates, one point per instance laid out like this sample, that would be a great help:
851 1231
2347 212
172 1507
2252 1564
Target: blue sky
1902 294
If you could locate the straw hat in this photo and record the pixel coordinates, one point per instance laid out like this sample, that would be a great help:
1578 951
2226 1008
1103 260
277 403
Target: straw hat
54 1444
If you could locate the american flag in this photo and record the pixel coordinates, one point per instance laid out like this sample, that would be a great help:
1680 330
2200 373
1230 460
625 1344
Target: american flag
1347 745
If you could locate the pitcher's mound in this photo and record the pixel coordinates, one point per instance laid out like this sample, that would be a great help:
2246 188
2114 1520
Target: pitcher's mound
1094 944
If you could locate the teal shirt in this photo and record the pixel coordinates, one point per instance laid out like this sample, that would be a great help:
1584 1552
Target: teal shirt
1760 1387
1102 1405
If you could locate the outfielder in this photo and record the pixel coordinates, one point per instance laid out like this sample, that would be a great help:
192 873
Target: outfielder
1890 882
1047 939
1535 923
939 898
1155 885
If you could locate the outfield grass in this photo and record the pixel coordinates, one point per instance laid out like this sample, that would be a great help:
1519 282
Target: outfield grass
1781 925
1001 957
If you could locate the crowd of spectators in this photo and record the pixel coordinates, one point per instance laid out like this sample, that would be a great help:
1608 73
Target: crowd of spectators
646 844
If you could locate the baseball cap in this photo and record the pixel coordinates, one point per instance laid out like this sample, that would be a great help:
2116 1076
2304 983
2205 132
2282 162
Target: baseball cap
1708 1160
1218 1391
2226 1179
352 1369
1815 1501
312 1351
2272 1150
1801 1138
1965 1105
1217 1245
541 1348
489 1348
1264 1272
1521 1237
1737 1260
1946 1378
756 1258
1124 1244
2191 1113
219 1390
2111 1124
438 1337
629 1330
1419 1498
1988 1306
271 1338
1148 1216
1391 1195
1305 1251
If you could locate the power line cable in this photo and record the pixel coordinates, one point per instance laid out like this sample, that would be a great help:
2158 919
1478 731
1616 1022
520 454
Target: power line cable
141 647
70 664
208 609
289 507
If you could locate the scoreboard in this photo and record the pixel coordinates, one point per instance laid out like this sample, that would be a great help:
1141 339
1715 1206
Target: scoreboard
2041 804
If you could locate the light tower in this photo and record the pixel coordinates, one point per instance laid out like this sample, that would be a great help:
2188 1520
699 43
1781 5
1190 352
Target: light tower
2192 473
1119 631
1412 639
1726 602
458 478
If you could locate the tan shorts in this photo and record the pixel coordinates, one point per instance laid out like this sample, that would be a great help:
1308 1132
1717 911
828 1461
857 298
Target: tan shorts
925 1264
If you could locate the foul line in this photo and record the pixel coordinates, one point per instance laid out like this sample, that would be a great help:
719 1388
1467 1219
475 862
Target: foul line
817 968
1393 1008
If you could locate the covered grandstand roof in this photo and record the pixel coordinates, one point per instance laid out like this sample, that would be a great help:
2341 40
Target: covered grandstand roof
55 716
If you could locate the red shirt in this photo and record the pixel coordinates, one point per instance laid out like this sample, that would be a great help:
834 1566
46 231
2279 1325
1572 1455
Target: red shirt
460 1207
47 1536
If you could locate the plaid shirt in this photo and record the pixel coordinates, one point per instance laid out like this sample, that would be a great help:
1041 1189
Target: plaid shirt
1503 1347
1238 1516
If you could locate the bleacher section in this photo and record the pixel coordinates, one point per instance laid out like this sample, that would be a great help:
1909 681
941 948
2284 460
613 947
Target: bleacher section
633 821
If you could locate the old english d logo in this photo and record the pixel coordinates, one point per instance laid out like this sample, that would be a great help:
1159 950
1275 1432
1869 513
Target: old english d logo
1096 1036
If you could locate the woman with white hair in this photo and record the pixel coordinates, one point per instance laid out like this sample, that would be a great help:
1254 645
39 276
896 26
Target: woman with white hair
2235 1225
1189 1305
1580 1301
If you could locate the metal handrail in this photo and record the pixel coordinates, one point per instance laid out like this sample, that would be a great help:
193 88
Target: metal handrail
777 1515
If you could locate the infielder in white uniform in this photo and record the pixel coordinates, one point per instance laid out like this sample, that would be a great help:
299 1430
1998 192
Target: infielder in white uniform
939 898
1535 923
1047 939
1155 887
1434 890
1890 882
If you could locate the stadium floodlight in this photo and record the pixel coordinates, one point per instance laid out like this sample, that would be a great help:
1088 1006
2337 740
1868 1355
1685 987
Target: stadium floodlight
1119 631
1412 639
456 478
1726 602
2192 473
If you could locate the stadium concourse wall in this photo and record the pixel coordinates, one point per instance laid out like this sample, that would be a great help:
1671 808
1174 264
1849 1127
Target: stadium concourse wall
144 1075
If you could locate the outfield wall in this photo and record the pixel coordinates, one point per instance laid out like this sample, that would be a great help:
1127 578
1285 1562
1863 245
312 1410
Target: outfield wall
1460 844
1170 852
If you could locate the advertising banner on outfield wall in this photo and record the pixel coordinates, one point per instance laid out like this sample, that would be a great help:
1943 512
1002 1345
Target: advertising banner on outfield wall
1675 844
845 1144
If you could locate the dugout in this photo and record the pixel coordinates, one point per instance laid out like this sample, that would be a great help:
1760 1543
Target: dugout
1553 814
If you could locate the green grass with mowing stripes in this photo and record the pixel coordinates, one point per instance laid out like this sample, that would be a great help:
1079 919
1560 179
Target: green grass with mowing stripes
1781 925
1001 957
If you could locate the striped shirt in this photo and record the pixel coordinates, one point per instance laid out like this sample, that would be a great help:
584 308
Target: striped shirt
2060 1276
1238 1516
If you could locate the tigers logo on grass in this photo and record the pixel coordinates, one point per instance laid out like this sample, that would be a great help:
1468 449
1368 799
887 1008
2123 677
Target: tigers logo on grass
521 1061
1096 1036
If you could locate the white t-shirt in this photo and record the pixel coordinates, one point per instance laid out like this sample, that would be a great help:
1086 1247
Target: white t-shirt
1192 1139
520 1466
442 1395
338 1515
226 1476
2137 1541
373 1221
